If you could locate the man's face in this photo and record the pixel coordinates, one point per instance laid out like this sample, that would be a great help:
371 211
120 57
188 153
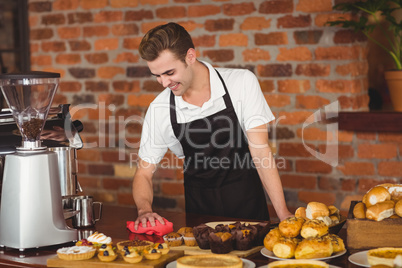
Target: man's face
171 72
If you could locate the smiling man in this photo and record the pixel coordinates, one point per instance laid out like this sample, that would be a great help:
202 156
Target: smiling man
216 119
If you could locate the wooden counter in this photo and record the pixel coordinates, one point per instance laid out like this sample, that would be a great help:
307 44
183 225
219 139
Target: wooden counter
113 224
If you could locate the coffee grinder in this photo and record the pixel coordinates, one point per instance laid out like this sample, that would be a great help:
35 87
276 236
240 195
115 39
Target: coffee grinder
31 214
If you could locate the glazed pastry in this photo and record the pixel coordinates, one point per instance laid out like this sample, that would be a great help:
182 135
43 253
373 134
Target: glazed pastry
76 253
106 253
313 248
285 247
313 228
271 238
337 242
316 209
291 227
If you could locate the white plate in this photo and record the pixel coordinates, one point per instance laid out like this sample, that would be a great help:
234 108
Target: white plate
330 266
246 264
359 258
271 255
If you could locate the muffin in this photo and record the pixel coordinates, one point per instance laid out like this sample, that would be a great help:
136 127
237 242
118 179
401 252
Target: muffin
244 239
189 240
173 239
184 230
201 233
220 242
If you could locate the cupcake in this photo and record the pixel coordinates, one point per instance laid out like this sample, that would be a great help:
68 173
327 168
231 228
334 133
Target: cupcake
189 240
201 233
173 239
220 242
106 253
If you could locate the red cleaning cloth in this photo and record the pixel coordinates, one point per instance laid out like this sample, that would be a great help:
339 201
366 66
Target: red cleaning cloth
158 229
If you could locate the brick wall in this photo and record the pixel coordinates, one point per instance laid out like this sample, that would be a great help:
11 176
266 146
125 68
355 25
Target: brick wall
302 66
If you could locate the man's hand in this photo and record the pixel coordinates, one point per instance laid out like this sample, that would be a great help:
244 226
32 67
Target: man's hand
150 216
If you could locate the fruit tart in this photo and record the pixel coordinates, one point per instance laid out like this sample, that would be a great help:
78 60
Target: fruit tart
151 253
133 256
98 239
162 247
137 244
84 242
76 253
106 253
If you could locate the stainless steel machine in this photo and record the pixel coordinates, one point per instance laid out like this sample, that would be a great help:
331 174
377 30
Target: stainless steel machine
38 163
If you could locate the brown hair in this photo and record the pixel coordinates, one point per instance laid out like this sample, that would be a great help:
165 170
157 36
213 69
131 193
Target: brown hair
171 36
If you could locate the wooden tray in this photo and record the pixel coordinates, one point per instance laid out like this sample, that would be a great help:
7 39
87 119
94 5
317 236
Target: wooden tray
367 234
197 251
119 262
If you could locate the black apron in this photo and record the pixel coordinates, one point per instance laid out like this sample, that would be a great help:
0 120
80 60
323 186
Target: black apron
219 175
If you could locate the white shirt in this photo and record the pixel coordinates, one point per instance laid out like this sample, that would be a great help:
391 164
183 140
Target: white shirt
245 93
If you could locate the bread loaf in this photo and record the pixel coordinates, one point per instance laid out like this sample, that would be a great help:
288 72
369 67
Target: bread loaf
376 195
285 247
395 190
312 248
398 208
313 228
301 213
359 211
380 211
316 209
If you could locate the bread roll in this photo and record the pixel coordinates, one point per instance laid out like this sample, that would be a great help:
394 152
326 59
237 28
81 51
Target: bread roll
335 219
376 195
394 189
312 248
359 211
285 247
380 211
327 220
398 208
337 243
291 226
301 213
333 210
313 228
316 209
271 238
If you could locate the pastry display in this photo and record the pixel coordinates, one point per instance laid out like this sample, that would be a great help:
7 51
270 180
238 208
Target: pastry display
313 248
106 253
210 260
220 242
384 256
285 247
298 264
138 244
173 239
76 253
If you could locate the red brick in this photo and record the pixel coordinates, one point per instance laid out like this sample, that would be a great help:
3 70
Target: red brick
79 45
276 7
293 118
353 69
366 184
93 155
293 86
116 184
310 6
68 58
255 54
219 25
110 71
191 25
152 86
70 86
276 38
238 9
255 23
267 85
294 149
98 86
203 10
274 70
146 26
132 43
313 69
357 168
108 16
53 19
310 102
278 100
312 166
93 4
391 169
97 58
294 54
377 151
298 181
40 34
337 53
390 137
80 17
123 3
345 136
126 86
204 41
348 37
322 19
233 39
125 199
172 188
90 31
41 60
59 99
290 21
307 37
125 29
112 156
69 32
126 57
328 184
171 12
323 197
89 182
106 44
339 86
316 134
356 102
344 151
33 21
65 4
138 15
143 100
366 136
154 2
221 55
40 6
348 185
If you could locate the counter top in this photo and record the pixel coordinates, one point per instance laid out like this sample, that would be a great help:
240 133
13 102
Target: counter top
113 224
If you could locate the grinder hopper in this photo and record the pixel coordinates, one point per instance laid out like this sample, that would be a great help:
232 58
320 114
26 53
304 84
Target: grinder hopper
31 212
